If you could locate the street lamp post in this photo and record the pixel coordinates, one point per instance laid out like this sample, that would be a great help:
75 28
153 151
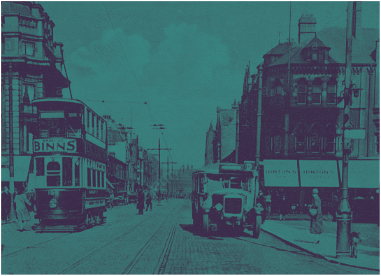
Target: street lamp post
344 210
12 213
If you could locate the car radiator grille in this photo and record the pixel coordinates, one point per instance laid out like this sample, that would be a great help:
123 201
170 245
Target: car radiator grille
233 205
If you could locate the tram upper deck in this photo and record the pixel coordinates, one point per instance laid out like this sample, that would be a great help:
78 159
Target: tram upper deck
67 118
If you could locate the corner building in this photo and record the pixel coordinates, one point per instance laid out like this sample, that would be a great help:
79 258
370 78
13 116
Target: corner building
302 116
32 68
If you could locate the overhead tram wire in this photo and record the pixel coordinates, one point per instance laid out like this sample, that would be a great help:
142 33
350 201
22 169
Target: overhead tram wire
130 67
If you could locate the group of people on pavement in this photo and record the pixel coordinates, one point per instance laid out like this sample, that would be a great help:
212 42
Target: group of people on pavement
24 204
144 197
315 212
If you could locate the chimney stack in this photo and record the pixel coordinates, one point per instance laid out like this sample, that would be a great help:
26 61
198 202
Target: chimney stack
307 31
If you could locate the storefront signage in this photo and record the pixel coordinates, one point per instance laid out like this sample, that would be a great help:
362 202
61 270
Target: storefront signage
55 145
281 173
319 173
94 203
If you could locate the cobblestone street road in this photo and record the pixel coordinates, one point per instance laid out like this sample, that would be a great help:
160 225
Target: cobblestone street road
159 242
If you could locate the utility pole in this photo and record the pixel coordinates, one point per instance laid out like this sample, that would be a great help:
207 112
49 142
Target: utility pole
344 210
12 213
159 149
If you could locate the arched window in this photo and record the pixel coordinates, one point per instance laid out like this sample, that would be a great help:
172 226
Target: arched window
317 88
53 171
331 91
301 138
316 138
330 138
302 91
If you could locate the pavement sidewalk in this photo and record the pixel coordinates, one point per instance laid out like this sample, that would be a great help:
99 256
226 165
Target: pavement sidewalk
297 233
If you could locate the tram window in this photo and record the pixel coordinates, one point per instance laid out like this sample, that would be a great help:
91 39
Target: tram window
88 120
76 173
67 172
92 123
53 170
51 127
103 179
97 123
98 178
74 126
40 167
94 178
88 177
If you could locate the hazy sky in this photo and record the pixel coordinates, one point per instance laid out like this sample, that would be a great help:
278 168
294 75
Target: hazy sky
183 58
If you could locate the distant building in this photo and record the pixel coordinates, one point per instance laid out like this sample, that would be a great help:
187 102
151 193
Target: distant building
221 142
302 110
32 68
210 156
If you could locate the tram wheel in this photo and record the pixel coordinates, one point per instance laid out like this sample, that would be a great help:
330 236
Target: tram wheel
205 223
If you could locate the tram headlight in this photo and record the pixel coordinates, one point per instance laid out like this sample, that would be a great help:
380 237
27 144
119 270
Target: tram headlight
53 203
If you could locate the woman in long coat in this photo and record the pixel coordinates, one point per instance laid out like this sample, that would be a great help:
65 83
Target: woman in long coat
316 226
140 204
22 212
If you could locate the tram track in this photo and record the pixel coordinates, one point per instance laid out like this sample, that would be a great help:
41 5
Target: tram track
163 259
35 245
109 243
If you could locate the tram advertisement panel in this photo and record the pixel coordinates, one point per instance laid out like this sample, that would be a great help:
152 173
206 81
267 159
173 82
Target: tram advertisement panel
94 203
55 145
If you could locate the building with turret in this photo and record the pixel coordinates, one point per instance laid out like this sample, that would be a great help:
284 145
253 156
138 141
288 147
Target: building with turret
32 68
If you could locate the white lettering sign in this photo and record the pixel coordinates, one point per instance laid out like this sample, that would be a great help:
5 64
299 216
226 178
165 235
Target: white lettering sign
55 145
94 203
281 173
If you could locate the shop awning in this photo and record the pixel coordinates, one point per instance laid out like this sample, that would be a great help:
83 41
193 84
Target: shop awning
319 173
21 169
281 173
110 184
363 173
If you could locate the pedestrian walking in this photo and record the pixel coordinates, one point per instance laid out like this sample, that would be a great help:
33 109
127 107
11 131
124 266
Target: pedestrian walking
149 200
316 226
5 204
283 208
261 200
268 203
140 205
112 200
22 212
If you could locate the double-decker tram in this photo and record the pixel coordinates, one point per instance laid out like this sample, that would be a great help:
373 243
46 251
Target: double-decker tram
70 155
224 198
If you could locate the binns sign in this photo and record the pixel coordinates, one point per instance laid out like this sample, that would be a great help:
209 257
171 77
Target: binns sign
55 145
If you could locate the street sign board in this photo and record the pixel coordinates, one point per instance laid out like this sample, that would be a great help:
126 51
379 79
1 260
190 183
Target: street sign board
355 134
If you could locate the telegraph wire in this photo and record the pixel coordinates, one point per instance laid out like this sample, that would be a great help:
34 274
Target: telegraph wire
136 79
